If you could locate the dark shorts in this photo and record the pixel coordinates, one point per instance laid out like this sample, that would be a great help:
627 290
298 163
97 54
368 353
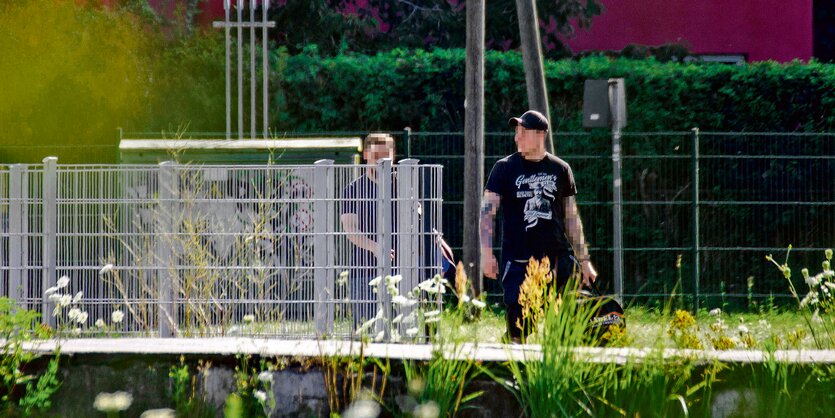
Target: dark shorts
513 275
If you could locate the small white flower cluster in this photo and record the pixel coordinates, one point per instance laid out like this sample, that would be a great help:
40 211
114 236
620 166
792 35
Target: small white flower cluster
113 402
66 300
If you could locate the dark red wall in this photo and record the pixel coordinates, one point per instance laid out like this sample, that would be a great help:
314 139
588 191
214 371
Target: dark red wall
779 30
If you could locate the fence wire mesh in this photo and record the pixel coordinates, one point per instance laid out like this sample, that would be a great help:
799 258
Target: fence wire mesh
187 250
758 193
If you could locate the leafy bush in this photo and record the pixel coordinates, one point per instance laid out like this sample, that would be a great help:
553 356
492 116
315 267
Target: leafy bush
425 91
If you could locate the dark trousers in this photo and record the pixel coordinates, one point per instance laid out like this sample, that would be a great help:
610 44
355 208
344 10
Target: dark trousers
513 275
363 299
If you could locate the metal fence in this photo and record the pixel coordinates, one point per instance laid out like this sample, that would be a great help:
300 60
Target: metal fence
757 193
188 250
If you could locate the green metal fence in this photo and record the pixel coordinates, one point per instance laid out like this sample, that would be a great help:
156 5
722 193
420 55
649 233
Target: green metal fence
757 193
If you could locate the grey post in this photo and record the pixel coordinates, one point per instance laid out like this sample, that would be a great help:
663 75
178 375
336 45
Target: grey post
532 59
265 64
384 224
240 72
324 245
228 71
694 166
18 289
408 227
165 229
49 217
474 141
618 121
252 6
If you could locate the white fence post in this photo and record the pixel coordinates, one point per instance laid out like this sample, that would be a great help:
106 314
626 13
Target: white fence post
408 232
18 187
323 246
384 234
49 240
166 229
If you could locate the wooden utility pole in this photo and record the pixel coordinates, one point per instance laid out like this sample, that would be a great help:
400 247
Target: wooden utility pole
532 56
473 141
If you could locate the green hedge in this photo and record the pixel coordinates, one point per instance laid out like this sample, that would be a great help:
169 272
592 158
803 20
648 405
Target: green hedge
425 91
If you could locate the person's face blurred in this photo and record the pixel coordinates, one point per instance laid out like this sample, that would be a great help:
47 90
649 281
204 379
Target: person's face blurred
374 152
528 140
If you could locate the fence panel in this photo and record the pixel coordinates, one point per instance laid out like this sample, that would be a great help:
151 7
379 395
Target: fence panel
183 250
757 194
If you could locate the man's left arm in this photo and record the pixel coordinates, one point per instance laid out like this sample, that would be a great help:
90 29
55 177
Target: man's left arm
574 231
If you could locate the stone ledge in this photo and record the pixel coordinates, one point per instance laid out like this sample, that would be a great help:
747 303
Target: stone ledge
479 352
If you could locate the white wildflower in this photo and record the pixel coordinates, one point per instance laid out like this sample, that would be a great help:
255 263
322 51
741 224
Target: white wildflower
465 298
113 402
249 318
829 285
478 304
427 410
76 331
394 279
73 314
49 292
117 316
392 290
397 319
399 300
82 318
376 281
55 297
66 300
261 396
63 282
365 326
816 318
100 323
106 269
395 336
412 332
379 337
765 324
433 319
362 408
811 298
431 314
742 329
715 312
266 376
77 297
815 280
342 279
159 413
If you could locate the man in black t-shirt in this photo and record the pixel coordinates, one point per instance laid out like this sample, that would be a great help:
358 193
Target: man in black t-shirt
359 220
536 190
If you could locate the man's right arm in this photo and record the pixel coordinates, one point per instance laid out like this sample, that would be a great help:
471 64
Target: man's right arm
489 207
350 223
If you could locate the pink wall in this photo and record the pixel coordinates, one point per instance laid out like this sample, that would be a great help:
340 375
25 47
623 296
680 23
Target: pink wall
763 29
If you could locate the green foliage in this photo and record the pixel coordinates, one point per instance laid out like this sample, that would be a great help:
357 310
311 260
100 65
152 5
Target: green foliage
336 26
440 382
425 91
76 72
253 396
184 391
21 383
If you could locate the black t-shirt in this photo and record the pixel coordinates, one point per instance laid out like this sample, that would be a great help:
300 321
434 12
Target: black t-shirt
360 198
532 194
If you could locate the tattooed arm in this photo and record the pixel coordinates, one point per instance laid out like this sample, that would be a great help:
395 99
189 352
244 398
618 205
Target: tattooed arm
574 231
489 206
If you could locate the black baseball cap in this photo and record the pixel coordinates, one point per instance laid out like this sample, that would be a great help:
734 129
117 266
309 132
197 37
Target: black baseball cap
531 120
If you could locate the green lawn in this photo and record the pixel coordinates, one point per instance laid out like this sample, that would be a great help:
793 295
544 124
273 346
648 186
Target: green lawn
645 327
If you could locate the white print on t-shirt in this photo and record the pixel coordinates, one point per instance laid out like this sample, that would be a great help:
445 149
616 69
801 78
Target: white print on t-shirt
538 207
